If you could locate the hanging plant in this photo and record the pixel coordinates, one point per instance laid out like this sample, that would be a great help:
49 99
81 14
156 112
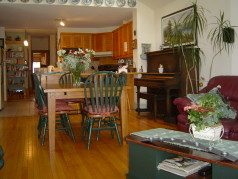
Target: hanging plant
222 37
228 35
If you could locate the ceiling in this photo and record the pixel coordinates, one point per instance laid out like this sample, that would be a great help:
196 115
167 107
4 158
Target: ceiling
35 17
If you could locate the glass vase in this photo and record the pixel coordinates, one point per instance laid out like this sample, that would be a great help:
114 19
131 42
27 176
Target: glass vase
76 78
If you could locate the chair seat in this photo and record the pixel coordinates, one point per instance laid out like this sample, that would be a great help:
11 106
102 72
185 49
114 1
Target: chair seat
103 112
59 107
76 100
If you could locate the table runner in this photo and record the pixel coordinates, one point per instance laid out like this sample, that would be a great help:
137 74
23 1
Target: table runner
224 145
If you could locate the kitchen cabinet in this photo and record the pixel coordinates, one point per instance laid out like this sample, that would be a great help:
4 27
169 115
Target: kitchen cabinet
119 41
102 42
66 40
122 41
76 40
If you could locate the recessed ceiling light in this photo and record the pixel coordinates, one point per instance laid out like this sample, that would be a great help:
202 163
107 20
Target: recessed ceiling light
62 23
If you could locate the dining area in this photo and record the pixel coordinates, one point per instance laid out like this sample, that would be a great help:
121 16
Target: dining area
106 84
60 156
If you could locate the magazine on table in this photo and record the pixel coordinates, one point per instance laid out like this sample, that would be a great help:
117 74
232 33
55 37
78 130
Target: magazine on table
182 166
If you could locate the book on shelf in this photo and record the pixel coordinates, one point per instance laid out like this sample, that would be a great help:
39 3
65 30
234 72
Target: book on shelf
182 166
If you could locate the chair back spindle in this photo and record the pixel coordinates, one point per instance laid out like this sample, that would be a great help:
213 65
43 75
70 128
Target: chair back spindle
102 91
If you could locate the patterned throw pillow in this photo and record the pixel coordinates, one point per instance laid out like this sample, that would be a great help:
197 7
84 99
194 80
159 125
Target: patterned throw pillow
215 100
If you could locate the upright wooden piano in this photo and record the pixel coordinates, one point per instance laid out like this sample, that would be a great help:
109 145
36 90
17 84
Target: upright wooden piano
171 83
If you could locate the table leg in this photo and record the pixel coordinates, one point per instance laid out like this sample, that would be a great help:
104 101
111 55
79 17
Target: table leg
51 118
124 114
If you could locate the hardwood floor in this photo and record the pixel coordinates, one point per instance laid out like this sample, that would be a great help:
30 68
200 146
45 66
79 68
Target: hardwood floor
26 158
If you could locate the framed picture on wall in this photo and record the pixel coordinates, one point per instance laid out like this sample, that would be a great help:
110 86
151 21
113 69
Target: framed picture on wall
1 42
168 23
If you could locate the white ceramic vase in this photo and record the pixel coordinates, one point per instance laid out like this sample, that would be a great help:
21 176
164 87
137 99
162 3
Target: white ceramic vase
210 133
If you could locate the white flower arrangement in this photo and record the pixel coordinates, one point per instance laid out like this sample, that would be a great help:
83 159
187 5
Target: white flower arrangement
76 61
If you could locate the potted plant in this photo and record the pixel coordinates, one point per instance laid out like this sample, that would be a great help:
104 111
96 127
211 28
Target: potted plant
190 53
206 111
222 37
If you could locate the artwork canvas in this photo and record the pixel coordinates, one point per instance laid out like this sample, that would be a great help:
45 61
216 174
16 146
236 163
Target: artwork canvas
168 23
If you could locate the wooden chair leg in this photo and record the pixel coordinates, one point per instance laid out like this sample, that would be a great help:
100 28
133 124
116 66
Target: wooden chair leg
118 135
63 122
44 130
40 125
69 126
99 126
85 128
90 132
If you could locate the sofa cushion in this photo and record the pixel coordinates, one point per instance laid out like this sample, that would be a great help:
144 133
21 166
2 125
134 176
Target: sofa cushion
229 86
224 107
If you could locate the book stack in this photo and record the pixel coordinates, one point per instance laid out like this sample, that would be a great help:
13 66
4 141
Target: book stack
182 166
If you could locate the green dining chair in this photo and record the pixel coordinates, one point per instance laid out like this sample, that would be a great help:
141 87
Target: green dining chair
62 110
67 78
1 158
102 92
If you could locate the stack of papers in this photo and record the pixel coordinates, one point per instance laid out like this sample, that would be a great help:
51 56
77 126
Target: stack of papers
182 166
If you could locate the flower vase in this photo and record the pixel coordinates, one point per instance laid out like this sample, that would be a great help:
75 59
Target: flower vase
209 133
76 78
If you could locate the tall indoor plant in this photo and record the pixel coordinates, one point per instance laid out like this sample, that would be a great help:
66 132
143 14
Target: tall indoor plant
190 52
222 37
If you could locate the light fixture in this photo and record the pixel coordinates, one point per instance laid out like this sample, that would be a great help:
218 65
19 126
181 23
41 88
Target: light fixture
25 41
62 23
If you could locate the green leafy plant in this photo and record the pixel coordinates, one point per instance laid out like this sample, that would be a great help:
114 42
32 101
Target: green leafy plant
222 37
191 53
208 108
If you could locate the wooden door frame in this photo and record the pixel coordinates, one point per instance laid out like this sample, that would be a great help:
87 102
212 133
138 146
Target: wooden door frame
42 51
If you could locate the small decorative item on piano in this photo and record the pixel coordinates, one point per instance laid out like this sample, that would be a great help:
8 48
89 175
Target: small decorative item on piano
161 68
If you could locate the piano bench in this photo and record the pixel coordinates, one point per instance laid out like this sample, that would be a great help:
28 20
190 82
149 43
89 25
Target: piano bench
150 97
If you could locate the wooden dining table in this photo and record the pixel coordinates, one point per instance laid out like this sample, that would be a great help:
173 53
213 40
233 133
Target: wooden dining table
68 91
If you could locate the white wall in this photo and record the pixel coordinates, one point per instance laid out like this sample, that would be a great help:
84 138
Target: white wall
234 21
53 57
40 43
223 64
145 28
144 25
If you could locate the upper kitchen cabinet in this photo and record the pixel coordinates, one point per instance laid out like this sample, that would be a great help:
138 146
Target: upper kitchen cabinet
102 42
122 41
76 40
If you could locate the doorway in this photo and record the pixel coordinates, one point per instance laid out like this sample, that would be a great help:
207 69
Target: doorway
40 59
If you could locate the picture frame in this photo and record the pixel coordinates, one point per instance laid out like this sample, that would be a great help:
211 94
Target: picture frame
134 44
1 43
167 23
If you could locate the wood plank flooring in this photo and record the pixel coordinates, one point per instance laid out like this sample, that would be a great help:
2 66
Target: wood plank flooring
25 158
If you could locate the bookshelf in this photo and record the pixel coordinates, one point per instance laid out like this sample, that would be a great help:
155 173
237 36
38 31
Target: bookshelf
17 68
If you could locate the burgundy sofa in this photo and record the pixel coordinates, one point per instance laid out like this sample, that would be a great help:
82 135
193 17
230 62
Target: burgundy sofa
229 89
